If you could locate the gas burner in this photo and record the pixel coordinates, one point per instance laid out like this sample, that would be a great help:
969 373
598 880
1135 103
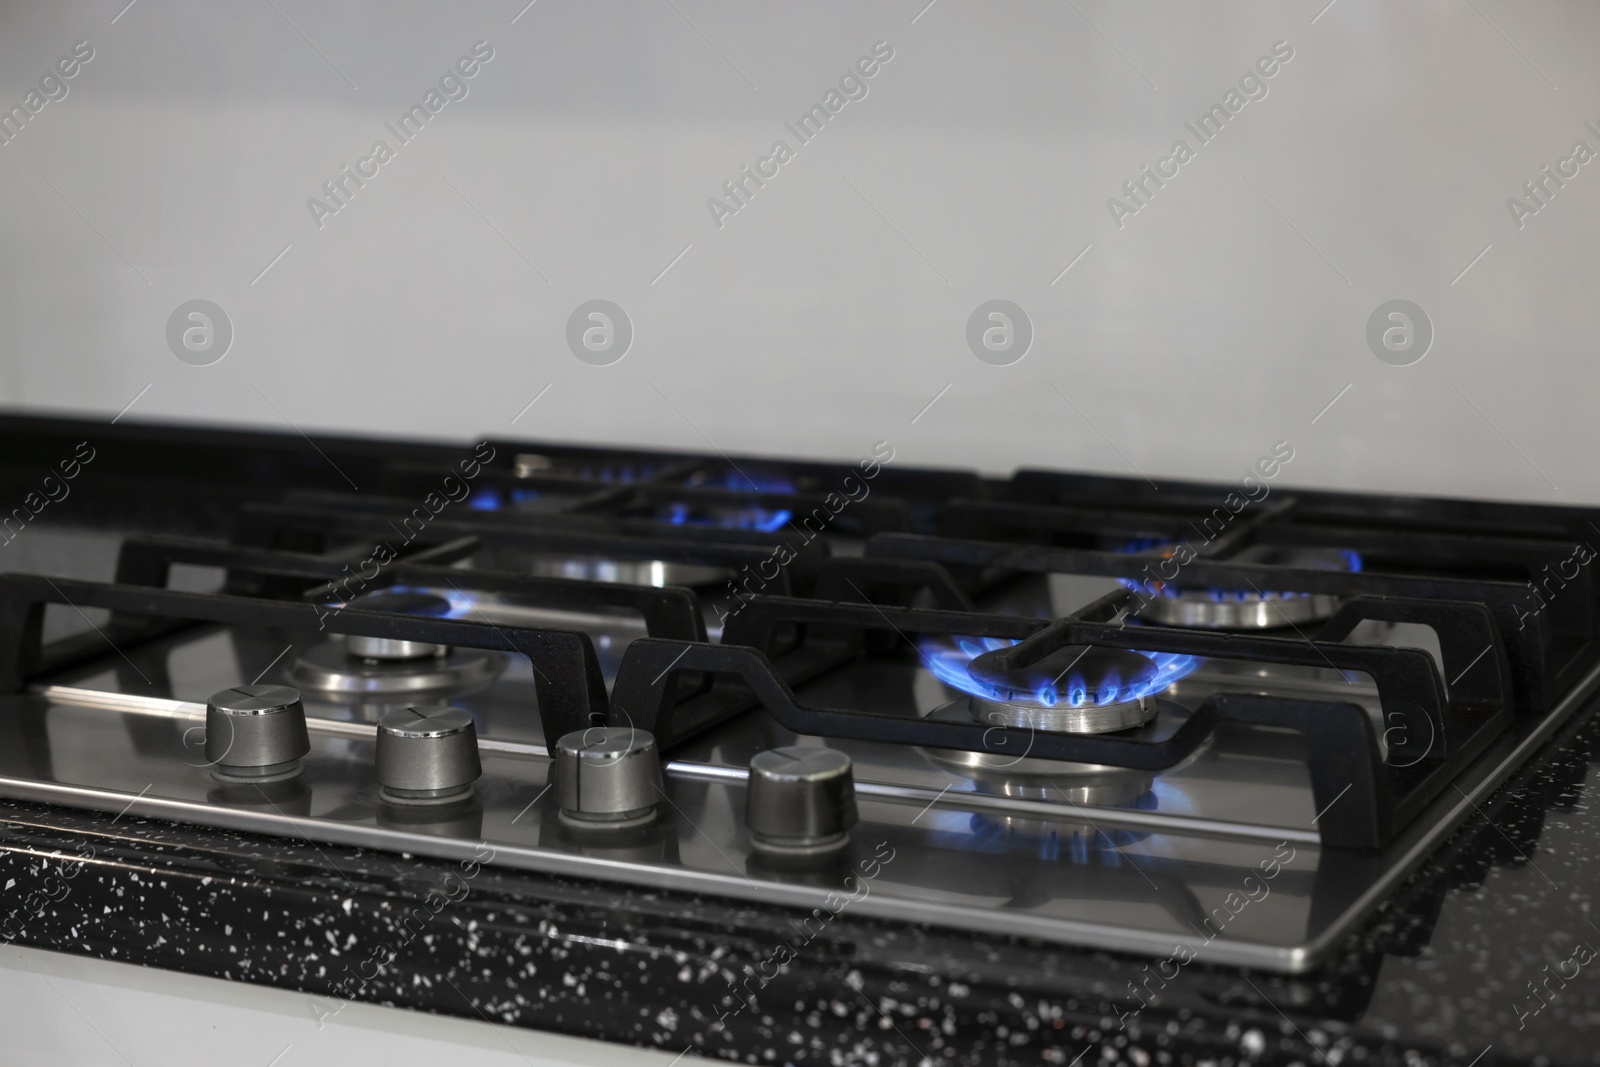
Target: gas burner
1076 689
1246 609
378 666
661 573
331 668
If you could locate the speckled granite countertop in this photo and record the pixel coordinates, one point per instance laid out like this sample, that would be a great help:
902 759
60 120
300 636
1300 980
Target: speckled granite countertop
1445 973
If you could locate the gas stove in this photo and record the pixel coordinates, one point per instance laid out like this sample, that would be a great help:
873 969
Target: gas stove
1191 722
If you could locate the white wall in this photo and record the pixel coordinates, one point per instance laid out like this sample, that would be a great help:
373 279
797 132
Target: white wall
826 314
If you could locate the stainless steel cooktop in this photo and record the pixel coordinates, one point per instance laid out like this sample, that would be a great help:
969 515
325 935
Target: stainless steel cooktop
1027 707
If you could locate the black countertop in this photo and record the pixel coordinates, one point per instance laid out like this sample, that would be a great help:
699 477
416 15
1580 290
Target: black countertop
1446 972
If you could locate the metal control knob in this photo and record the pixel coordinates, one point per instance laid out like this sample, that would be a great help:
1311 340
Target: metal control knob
256 733
401 602
608 777
800 801
427 755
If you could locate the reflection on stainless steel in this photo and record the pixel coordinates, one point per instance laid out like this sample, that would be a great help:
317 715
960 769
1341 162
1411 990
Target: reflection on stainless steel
291 796
975 799
1088 788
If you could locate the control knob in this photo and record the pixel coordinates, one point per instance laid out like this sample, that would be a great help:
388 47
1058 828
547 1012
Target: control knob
800 801
608 777
256 733
427 754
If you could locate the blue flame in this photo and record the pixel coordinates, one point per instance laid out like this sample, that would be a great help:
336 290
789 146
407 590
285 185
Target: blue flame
623 474
488 498
949 665
1156 587
461 604
776 521
763 520
740 481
